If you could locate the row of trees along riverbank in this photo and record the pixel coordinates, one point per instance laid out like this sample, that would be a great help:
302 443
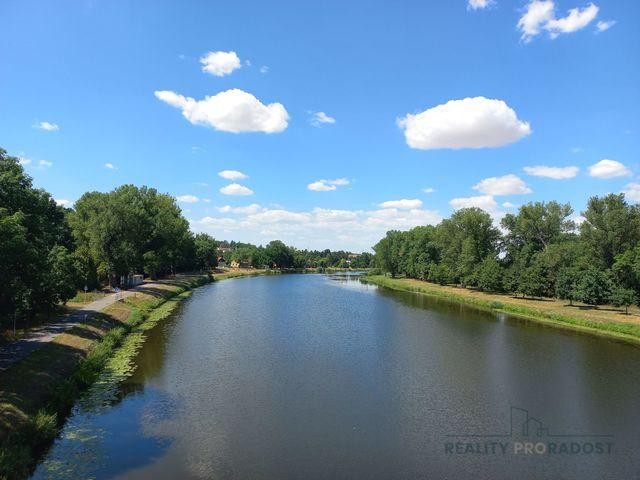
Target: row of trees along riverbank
538 252
48 252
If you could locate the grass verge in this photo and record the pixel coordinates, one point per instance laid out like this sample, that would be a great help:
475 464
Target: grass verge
37 393
548 312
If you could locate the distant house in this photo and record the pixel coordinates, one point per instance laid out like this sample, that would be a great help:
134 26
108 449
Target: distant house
241 264
222 263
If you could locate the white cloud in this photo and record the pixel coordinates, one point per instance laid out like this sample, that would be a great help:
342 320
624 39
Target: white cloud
188 199
484 202
264 69
318 118
557 173
327 185
236 189
402 204
428 190
477 122
232 175
232 111
577 19
48 126
246 210
24 161
355 230
44 164
508 205
61 202
220 63
608 169
506 185
110 166
632 192
603 25
202 184
540 15
479 4
206 200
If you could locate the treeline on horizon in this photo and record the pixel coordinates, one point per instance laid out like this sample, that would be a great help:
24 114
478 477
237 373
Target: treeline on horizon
48 252
538 252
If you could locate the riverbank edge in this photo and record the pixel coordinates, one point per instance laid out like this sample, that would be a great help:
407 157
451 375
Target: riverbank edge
609 329
31 431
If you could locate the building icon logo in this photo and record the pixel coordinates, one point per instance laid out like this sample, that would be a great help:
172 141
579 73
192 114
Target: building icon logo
528 435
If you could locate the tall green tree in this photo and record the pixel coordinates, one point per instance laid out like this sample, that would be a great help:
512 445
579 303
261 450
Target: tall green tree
34 243
611 227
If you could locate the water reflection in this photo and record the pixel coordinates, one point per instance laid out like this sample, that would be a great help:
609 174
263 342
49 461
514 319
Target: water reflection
312 376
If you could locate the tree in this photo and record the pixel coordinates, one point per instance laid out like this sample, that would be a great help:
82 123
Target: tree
623 297
537 225
64 276
32 226
490 275
533 282
566 284
206 251
388 252
593 287
465 240
611 227
114 232
278 255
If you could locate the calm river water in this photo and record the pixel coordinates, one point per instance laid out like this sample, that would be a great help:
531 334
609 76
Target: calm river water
320 377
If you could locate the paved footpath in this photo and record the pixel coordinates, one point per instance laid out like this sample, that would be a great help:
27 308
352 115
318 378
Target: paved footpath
36 338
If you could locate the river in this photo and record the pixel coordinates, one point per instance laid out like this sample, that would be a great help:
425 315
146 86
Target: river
323 377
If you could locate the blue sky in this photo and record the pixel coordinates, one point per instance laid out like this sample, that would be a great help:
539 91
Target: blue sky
548 83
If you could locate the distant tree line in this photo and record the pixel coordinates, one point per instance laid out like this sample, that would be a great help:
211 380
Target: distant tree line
278 255
539 252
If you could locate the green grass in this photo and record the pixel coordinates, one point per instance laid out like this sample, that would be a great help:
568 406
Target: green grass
38 392
557 316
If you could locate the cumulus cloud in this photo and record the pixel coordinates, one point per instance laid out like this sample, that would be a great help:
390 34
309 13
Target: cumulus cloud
110 166
608 169
505 185
484 202
44 164
187 198
24 161
327 185
603 25
632 192
557 173
232 111
318 118
246 210
540 15
319 228
232 175
428 190
477 122
48 126
61 202
508 205
236 189
220 63
479 4
264 69
402 204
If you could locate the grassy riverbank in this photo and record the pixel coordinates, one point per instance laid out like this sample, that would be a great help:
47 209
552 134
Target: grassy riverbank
37 393
604 320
